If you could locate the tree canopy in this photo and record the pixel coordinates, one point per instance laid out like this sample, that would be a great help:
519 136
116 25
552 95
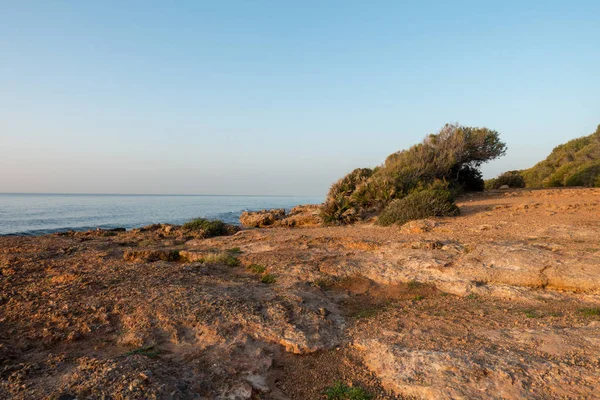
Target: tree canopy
449 160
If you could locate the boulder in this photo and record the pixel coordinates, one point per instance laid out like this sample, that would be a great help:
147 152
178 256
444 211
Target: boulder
259 219
304 215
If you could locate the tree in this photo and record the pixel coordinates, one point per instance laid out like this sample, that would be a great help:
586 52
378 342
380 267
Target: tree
453 155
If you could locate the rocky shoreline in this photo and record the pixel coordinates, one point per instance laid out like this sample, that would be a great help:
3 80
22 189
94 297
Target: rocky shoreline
500 302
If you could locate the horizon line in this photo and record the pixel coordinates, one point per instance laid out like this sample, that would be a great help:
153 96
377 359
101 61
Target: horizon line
155 194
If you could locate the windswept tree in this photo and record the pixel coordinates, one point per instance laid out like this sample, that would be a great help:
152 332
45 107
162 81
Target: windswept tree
451 158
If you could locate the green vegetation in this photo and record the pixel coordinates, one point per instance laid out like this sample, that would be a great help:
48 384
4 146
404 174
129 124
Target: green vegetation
147 351
418 205
340 391
513 179
590 312
414 284
448 161
366 313
268 279
219 258
208 228
575 163
173 255
235 250
532 314
257 268
324 283
418 297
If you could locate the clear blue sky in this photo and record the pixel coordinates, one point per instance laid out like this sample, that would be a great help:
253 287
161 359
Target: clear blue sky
279 97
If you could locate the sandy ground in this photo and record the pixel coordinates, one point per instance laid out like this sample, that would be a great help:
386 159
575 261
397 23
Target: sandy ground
502 302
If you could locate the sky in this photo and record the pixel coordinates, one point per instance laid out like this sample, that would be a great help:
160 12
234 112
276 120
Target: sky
279 97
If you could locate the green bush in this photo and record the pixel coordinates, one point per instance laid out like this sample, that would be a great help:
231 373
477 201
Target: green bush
575 163
268 279
470 180
208 228
490 184
453 155
340 391
345 195
418 205
513 179
257 268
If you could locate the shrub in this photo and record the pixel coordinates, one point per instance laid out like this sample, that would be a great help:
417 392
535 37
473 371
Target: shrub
268 279
340 391
590 312
419 205
453 155
586 175
257 268
490 184
575 163
513 179
220 258
345 195
470 179
208 228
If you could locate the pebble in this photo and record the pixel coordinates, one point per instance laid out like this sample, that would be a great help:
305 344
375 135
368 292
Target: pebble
146 374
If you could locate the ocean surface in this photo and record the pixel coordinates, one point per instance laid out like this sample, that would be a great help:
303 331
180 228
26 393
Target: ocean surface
38 214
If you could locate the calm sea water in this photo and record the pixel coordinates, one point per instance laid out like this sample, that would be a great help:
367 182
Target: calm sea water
36 214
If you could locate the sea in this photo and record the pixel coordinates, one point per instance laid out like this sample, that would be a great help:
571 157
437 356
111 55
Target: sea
39 214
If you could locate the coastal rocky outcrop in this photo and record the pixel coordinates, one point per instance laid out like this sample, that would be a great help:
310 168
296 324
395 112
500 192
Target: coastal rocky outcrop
500 302
304 215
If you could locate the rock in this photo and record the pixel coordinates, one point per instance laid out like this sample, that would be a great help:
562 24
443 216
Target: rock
504 187
150 228
259 219
431 374
419 226
304 215
146 374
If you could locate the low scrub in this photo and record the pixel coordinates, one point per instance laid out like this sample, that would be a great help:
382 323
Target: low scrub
257 268
512 179
341 391
419 205
207 228
268 279
221 258
575 163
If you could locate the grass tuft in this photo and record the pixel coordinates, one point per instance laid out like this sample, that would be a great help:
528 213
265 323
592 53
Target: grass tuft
257 268
147 351
590 311
532 314
220 258
414 285
268 279
341 391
